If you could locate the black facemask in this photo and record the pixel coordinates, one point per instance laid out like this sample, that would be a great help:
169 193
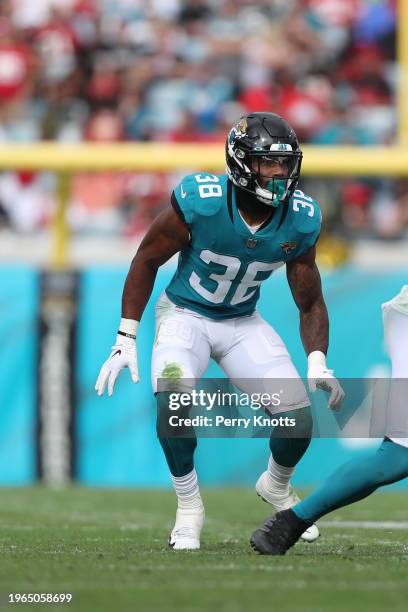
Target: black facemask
250 203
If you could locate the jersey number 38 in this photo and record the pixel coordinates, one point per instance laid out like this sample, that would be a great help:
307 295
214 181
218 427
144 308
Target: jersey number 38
244 290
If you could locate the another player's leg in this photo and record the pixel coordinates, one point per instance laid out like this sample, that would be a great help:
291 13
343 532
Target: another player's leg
180 356
273 485
356 480
361 476
350 483
257 357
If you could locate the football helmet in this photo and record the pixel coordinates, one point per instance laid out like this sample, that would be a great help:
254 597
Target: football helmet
264 157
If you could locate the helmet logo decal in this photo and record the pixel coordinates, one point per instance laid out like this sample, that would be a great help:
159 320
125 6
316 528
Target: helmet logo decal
241 127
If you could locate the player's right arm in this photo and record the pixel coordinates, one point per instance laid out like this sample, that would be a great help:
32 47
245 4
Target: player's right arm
167 235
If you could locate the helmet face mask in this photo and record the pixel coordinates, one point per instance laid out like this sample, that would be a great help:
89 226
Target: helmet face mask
264 157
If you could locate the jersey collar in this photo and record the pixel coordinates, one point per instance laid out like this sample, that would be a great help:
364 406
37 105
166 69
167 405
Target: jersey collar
269 226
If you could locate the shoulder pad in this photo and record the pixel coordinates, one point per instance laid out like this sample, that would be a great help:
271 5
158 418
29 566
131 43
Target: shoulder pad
197 196
305 213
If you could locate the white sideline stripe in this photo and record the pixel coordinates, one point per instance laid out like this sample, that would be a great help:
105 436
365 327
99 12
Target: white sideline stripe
365 524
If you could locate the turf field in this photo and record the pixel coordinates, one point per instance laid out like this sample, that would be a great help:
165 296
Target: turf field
108 548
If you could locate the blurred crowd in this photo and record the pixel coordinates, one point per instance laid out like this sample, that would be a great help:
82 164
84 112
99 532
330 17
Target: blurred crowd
184 71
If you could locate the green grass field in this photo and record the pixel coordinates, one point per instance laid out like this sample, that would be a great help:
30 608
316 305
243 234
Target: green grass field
108 548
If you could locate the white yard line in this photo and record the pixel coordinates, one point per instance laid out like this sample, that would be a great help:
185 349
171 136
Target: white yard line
365 524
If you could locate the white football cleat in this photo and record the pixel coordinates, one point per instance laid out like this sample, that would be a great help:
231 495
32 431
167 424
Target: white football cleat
187 529
285 502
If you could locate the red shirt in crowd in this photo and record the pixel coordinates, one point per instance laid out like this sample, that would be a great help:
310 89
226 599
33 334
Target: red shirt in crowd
15 65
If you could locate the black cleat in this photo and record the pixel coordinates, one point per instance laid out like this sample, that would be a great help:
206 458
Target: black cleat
278 533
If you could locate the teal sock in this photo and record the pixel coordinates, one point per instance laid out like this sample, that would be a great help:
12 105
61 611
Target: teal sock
355 480
179 453
178 450
289 444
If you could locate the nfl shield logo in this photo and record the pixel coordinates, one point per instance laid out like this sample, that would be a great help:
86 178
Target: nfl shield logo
251 243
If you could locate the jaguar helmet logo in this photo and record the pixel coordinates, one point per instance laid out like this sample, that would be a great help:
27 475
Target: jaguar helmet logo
241 127
288 247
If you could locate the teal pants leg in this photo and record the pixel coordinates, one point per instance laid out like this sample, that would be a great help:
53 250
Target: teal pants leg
289 444
356 480
178 449
179 453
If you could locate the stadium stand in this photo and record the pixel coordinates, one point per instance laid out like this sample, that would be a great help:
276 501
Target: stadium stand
182 71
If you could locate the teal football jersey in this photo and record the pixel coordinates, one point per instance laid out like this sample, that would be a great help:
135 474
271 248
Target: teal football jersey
220 273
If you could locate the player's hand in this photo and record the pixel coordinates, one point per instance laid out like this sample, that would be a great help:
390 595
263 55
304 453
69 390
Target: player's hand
320 377
123 355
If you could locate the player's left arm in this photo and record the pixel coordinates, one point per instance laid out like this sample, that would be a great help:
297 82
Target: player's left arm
306 287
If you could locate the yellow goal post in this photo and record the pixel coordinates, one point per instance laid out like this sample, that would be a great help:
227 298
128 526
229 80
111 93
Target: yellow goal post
319 161
66 158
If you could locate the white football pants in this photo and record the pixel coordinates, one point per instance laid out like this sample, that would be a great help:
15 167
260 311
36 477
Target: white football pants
248 349
395 318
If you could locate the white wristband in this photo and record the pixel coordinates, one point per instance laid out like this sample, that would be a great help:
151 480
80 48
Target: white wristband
316 358
129 326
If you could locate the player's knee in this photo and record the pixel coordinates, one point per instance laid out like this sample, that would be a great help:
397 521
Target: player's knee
175 377
301 423
304 422
172 375
172 415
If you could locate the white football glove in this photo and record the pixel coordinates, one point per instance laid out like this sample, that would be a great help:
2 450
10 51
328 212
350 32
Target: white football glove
319 376
123 355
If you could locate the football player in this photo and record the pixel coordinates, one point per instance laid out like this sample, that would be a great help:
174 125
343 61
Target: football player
359 477
232 232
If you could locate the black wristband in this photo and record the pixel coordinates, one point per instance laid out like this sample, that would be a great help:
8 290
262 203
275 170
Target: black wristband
121 333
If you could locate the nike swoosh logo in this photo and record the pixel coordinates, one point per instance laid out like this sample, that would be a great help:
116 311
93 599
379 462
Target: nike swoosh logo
183 193
116 353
